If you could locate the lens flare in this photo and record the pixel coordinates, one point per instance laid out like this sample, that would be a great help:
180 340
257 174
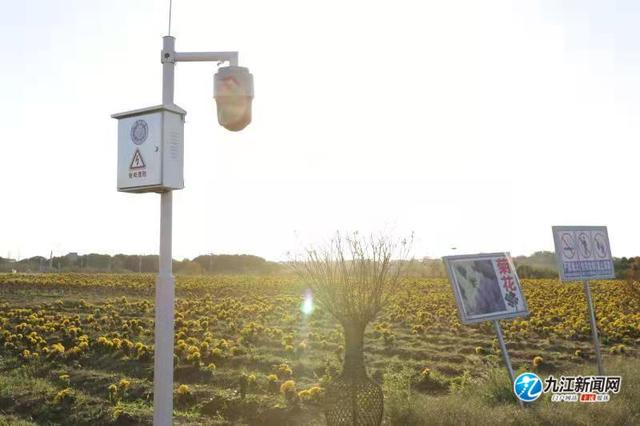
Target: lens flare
307 304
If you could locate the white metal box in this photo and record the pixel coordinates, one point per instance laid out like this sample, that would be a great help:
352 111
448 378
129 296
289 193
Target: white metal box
151 149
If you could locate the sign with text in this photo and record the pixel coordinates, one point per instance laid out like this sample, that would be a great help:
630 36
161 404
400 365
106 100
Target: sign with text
583 253
486 287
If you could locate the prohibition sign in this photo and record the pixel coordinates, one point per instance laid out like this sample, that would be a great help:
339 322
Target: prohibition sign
584 245
568 245
600 245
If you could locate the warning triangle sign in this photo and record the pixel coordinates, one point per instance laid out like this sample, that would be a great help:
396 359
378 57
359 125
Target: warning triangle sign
137 162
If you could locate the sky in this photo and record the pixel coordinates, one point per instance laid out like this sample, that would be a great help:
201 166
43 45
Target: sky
474 125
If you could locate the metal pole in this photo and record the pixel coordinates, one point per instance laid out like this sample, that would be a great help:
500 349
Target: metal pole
165 283
232 57
168 68
505 355
594 326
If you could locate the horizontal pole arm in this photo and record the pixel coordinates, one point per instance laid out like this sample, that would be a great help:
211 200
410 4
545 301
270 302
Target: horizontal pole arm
231 57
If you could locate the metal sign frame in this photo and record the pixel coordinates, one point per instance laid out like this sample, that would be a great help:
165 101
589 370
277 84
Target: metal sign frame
495 317
605 256
466 318
583 267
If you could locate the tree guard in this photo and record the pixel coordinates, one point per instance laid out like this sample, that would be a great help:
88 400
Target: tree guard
353 398
354 401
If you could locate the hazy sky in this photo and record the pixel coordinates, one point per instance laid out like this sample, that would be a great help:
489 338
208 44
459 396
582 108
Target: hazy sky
478 125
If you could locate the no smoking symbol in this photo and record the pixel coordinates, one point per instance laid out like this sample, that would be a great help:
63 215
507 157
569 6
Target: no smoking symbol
585 245
600 245
568 246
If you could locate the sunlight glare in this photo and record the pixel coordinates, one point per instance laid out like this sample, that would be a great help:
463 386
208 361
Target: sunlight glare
307 304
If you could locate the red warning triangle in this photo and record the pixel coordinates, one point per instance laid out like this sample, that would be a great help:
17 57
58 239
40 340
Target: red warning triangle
137 162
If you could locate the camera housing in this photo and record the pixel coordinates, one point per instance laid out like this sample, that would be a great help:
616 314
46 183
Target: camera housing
233 92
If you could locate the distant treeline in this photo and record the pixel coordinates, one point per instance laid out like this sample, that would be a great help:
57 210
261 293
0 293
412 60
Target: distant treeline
541 264
123 263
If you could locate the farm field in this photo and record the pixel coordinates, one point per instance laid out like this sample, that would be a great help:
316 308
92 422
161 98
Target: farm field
78 349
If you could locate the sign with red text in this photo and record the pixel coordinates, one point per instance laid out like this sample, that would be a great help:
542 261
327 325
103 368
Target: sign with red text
486 287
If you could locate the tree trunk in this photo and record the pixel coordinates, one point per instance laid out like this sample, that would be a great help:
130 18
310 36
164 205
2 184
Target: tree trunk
353 351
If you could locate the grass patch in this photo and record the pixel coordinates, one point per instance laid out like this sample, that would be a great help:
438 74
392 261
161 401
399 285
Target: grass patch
488 401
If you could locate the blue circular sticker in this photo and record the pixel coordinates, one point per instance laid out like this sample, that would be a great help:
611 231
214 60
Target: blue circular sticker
139 132
527 387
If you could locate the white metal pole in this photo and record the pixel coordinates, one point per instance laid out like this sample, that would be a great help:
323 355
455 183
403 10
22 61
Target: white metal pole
505 355
165 283
168 68
594 326
232 57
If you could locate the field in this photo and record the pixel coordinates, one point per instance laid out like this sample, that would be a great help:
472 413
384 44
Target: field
78 349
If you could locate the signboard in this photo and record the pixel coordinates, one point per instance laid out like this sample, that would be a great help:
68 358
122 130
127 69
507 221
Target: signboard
583 253
150 149
486 287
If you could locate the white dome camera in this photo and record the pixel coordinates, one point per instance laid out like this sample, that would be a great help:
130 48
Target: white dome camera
233 91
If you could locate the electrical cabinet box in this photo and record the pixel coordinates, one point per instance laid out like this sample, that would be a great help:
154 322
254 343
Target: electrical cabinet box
151 149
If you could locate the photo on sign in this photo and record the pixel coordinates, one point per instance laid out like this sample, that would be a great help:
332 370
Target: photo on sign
486 287
479 287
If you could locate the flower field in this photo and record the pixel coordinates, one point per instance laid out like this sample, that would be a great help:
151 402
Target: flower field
78 348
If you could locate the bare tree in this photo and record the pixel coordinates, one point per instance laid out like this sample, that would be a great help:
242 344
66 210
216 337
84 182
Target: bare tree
352 278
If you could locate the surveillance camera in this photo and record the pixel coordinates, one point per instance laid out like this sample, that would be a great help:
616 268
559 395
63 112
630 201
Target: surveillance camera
233 91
